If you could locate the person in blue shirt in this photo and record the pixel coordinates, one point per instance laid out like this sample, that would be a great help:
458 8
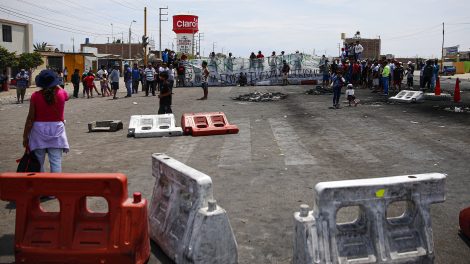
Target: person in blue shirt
435 73
337 82
165 56
135 78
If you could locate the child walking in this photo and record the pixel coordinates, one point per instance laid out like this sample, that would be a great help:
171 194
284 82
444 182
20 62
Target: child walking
104 84
350 95
165 95
205 81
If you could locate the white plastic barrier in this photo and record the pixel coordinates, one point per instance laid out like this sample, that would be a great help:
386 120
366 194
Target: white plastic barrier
374 237
408 96
144 126
184 219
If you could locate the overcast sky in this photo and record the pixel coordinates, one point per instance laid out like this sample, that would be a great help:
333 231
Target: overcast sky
407 28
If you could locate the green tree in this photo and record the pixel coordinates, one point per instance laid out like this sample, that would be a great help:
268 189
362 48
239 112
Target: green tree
40 46
7 59
30 61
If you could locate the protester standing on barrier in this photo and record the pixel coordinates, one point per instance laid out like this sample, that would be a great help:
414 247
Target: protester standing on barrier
205 80
165 95
44 130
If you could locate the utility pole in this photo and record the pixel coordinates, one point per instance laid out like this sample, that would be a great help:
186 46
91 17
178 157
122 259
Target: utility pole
213 46
145 34
112 32
200 35
339 49
122 45
130 33
160 27
442 50
73 44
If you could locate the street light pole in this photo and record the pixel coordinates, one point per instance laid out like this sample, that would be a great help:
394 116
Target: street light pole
160 29
112 32
130 33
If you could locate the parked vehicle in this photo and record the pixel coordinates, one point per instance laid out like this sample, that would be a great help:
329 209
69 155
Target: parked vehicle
448 70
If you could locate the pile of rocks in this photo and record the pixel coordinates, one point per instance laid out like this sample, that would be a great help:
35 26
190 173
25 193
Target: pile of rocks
319 90
260 97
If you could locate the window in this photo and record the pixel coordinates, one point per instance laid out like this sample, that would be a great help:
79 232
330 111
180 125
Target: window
6 33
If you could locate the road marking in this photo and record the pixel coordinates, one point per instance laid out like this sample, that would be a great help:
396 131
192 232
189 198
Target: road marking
344 144
237 148
182 148
295 152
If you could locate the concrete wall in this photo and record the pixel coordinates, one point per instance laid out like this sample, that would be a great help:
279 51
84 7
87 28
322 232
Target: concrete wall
22 37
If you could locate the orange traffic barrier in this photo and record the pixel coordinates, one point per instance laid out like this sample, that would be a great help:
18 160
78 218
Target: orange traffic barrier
75 234
207 124
457 91
437 91
464 221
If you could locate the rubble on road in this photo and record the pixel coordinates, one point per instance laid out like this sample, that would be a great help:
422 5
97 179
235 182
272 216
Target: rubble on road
318 90
261 97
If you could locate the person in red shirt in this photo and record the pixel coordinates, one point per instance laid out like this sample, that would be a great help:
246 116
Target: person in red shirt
44 130
356 73
89 84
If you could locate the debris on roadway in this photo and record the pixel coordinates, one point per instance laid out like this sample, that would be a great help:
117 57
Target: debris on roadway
261 97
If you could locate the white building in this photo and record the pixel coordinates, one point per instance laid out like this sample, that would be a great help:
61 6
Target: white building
16 37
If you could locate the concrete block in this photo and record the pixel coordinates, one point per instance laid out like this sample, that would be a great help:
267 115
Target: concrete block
184 219
441 97
408 96
145 126
105 126
374 236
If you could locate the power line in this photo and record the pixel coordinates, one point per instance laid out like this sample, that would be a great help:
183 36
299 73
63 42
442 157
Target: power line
121 4
50 24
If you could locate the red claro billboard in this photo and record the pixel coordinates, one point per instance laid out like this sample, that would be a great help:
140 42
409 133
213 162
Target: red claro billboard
185 24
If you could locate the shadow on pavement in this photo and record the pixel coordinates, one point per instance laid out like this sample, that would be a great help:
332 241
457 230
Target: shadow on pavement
464 238
157 252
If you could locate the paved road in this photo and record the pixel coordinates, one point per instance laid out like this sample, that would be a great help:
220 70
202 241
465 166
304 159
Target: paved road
263 174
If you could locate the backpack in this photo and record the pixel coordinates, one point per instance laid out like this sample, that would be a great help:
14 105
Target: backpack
28 163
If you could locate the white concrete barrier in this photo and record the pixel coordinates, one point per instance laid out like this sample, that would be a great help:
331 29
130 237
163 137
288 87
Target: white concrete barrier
408 96
184 219
374 236
144 126
441 97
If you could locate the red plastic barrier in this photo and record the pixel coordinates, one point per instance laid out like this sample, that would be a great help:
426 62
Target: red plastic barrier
308 82
457 91
207 124
75 234
464 221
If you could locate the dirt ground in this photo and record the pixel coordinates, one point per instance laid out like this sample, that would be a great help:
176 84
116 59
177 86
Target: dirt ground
263 174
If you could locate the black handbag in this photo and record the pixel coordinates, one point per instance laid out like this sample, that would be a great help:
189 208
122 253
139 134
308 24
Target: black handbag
28 163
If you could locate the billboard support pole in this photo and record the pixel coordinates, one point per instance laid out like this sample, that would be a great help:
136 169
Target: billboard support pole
442 50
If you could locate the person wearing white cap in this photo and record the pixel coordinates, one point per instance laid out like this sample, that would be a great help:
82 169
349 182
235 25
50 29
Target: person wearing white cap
350 95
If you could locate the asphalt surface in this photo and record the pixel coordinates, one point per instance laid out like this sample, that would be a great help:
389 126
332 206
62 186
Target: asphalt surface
263 174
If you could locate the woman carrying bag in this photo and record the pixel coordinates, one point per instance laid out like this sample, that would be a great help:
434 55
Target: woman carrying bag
44 130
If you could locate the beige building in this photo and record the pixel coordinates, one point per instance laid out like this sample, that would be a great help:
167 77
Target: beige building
16 37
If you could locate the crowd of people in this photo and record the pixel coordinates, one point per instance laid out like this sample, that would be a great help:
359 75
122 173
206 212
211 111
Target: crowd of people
381 76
